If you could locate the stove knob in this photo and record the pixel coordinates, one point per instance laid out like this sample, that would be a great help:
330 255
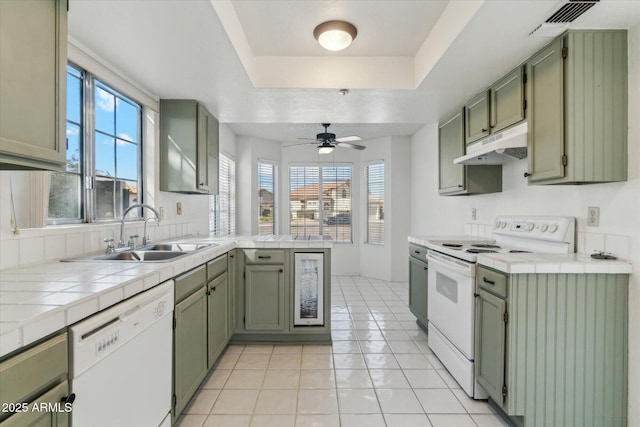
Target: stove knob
497 224
504 224
544 227
553 228
530 226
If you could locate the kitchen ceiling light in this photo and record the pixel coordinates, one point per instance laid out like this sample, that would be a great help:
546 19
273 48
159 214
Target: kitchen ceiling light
335 35
325 148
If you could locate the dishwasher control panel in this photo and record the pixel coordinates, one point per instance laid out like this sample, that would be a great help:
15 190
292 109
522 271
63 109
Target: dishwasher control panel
107 342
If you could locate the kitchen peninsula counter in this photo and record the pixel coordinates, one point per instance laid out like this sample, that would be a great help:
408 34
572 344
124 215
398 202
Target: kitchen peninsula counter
37 300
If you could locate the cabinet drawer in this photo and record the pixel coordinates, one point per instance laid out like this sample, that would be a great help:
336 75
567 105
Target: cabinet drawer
418 252
190 282
29 373
216 267
264 256
493 282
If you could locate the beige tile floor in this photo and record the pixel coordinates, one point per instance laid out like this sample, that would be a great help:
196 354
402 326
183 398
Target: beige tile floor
379 371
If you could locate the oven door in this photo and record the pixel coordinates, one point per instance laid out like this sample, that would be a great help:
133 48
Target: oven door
451 300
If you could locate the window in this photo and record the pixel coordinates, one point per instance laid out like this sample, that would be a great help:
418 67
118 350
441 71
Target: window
320 201
267 198
104 151
222 207
375 204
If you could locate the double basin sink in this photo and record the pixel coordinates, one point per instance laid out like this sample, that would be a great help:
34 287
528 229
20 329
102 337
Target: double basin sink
160 252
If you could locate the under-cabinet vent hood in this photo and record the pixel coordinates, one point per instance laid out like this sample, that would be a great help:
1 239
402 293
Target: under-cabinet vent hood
494 150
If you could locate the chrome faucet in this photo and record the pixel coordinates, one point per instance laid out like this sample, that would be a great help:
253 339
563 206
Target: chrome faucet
124 215
145 238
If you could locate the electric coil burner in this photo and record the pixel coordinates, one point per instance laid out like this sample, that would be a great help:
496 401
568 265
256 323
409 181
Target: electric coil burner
452 284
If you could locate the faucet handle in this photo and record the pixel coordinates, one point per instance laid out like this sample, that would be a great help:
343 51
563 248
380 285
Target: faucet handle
132 241
110 246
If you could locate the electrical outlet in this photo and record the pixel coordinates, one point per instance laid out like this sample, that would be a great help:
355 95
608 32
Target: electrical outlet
161 212
593 216
179 208
473 214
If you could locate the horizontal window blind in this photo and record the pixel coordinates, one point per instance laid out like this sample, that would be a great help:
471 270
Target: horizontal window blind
320 201
375 203
267 198
222 207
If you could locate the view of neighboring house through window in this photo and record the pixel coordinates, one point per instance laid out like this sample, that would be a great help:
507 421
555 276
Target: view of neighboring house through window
320 201
222 206
267 198
375 203
104 147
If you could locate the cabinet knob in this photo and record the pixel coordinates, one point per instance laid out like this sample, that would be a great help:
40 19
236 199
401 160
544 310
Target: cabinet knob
492 126
527 174
68 399
459 185
476 295
280 271
484 130
214 289
426 268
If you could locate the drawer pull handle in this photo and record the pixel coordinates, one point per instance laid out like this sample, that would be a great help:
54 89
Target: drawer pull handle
416 252
264 256
485 280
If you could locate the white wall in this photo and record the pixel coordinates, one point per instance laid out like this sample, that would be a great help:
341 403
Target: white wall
619 230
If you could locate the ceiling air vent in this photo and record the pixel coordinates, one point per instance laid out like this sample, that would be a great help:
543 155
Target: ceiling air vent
557 23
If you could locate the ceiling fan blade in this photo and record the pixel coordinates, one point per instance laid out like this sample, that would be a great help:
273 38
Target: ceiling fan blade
349 145
308 139
348 138
301 144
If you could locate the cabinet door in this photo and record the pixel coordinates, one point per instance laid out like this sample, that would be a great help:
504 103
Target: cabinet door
33 60
217 291
507 101
202 148
213 167
450 146
490 344
231 292
190 347
418 279
45 418
264 298
178 152
545 95
476 114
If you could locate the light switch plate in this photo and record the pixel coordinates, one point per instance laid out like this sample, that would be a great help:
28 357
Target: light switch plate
593 216
179 208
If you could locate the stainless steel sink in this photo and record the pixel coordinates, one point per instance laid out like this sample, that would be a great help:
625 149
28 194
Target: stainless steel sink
160 252
183 247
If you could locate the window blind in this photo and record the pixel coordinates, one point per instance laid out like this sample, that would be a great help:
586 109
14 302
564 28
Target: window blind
320 201
375 204
222 207
267 198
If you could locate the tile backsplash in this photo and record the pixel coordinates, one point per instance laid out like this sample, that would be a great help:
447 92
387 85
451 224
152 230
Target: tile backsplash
33 246
587 243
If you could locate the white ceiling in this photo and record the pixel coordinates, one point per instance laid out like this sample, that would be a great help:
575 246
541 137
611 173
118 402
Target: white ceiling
182 49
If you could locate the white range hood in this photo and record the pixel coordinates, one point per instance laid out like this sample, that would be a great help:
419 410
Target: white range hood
494 150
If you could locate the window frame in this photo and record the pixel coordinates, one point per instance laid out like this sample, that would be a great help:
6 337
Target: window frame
88 173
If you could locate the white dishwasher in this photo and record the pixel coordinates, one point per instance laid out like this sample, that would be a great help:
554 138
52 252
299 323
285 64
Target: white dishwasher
121 363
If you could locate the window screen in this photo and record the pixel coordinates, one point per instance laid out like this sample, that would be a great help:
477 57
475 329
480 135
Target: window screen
222 206
267 198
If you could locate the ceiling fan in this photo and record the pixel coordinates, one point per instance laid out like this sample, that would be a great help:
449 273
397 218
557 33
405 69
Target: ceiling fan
328 141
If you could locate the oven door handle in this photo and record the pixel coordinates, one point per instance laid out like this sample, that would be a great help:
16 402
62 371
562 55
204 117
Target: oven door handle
460 267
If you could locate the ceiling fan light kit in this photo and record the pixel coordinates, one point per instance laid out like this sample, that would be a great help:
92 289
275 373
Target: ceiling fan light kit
335 35
325 148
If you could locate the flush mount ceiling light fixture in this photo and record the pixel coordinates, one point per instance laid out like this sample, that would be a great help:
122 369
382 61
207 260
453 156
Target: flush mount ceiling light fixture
335 35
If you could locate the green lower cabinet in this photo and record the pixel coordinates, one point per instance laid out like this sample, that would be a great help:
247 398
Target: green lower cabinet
418 280
217 300
45 418
491 330
264 298
565 348
190 348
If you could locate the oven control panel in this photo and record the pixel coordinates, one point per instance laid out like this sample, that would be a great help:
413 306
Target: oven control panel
542 228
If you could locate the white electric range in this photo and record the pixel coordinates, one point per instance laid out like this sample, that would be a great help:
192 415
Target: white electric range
452 284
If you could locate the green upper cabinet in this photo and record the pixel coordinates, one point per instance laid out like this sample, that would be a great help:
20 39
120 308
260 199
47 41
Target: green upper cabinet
188 148
507 101
476 113
462 179
577 95
495 109
33 60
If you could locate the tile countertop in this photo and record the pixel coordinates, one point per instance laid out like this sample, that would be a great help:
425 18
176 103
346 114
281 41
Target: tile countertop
423 240
37 300
553 263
